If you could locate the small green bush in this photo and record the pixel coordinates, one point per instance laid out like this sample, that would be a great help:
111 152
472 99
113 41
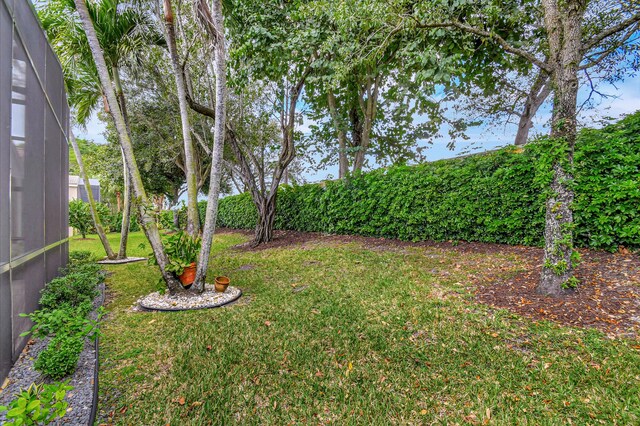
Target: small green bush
115 222
72 290
38 405
78 257
80 217
62 321
61 356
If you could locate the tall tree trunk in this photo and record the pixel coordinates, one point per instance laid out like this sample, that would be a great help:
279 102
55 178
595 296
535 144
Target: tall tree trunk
92 204
216 28
147 219
193 222
126 210
563 22
537 95
343 161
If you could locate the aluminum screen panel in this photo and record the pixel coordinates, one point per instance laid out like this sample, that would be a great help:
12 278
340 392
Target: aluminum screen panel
33 171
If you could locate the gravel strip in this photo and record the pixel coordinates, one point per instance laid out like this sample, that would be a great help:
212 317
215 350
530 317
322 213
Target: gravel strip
187 301
80 398
120 261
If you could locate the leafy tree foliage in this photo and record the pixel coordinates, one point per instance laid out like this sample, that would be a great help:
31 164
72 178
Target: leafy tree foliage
80 216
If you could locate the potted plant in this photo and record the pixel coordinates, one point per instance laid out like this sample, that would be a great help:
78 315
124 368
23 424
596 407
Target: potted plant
182 252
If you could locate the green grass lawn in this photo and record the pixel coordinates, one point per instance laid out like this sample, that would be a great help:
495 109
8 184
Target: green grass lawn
336 333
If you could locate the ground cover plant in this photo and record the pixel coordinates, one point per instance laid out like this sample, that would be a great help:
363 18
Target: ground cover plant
64 305
335 332
38 405
63 319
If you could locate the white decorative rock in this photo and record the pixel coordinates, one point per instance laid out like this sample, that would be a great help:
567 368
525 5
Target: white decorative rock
188 301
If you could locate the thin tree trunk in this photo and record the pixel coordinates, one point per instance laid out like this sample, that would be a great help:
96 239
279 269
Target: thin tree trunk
537 95
92 204
147 219
215 25
343 161
176 219
193 222
369 108
564 24
126 210
287 152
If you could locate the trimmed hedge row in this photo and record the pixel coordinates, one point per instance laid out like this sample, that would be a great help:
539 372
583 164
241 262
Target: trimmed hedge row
494 197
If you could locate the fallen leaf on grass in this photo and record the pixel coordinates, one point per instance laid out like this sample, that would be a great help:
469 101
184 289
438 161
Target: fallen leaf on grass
349 368
471 418
180 400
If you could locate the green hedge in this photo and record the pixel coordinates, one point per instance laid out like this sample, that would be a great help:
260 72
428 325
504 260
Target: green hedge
492 197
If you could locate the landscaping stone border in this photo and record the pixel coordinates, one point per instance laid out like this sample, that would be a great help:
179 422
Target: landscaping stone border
185 302
121 261
83 398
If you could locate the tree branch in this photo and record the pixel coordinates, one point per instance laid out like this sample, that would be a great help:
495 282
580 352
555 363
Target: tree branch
491 36
595 40
603 55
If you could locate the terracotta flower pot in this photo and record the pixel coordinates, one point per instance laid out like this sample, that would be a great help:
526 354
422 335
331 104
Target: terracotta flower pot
188 276
221 284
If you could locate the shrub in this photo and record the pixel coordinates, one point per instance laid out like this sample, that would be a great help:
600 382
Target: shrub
78 257
38 405
73 289
166 219
115 222
495 197
66 302
61 356
80 217
62 321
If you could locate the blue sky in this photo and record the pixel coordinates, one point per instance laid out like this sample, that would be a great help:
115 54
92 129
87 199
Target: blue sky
625 99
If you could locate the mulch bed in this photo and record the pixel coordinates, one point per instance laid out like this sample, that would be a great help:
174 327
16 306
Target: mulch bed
608 297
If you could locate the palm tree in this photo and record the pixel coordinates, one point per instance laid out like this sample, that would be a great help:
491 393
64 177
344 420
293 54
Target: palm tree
193 222
145 207
213 21
122 31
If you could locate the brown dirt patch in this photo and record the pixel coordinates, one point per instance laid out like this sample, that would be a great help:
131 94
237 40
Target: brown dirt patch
608 297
